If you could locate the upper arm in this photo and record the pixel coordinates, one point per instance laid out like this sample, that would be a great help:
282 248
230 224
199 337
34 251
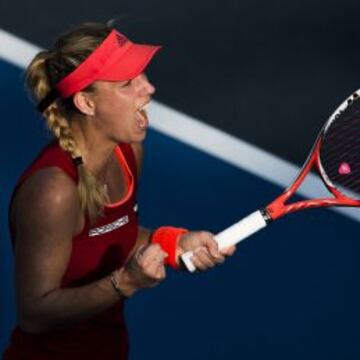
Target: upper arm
45 216
138 149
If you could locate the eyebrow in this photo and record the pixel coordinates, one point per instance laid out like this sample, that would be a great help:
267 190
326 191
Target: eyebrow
127 83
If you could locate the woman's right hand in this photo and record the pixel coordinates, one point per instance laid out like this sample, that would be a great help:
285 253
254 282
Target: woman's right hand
144 269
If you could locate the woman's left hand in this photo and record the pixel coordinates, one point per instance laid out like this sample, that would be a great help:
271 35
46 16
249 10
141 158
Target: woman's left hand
205 249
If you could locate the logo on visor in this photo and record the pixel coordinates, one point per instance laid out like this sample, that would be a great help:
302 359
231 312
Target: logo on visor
121 39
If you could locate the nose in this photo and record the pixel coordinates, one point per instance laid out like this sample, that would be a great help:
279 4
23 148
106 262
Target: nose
144 85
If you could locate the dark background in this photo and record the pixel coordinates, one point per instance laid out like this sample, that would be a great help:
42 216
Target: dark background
268 72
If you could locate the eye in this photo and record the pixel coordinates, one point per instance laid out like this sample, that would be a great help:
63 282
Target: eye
128 83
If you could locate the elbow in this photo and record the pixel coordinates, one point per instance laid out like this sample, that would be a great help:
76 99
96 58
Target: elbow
33 316
31 327
32 324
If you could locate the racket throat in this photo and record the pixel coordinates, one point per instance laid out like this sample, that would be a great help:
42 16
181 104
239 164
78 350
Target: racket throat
265 214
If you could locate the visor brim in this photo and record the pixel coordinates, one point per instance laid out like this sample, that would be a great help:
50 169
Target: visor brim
131 64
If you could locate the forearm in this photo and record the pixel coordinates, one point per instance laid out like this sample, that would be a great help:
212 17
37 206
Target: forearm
65 306
143 238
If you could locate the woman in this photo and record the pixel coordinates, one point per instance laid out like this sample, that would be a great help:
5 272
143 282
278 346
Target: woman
79 251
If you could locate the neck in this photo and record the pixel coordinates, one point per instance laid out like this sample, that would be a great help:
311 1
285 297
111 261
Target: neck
95 150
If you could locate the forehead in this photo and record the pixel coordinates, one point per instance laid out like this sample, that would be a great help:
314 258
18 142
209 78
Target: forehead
104 85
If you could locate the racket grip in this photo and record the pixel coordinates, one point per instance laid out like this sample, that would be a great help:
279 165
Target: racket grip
232 235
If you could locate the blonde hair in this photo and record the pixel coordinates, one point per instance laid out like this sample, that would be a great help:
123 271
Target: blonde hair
43 73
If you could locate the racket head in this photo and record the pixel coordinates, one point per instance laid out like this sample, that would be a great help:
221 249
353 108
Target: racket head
339 153
335 155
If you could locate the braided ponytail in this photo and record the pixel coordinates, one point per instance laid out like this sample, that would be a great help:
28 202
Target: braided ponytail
46 69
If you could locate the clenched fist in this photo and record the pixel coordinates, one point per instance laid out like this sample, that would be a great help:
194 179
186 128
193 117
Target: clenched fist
145 269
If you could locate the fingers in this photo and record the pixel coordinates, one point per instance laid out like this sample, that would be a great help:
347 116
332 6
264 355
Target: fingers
213 248
206 253
151 254
202 260
228 251
150 259
205 258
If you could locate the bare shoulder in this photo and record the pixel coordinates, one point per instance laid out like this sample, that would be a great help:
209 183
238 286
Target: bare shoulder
51 195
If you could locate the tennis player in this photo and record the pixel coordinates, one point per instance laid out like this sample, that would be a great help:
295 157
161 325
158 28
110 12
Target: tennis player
79 251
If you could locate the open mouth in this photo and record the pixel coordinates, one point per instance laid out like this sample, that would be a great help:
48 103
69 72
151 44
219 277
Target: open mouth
141 116
145 106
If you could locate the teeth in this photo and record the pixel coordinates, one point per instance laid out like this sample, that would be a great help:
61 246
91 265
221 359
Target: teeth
144 107
142 120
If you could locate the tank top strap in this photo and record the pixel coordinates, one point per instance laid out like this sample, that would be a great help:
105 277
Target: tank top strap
129 155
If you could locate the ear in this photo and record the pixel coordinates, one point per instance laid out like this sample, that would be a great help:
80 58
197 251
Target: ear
84 103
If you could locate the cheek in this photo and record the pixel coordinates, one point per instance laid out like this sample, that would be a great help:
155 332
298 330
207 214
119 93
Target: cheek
119 123
115 111
117 116
114 102
113 108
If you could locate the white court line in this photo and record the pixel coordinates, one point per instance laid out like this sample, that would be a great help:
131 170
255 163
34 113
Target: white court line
199 135
15 50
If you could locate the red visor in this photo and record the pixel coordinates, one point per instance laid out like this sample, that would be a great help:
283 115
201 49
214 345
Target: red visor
116 59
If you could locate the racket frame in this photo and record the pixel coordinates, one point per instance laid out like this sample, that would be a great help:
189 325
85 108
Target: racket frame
278 208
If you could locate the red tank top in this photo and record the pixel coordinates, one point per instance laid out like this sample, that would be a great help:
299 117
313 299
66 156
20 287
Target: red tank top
97 251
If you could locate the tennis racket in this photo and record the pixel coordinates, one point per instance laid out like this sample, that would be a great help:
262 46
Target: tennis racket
335 156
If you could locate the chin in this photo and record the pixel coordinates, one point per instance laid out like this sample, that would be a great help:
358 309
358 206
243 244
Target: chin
139 137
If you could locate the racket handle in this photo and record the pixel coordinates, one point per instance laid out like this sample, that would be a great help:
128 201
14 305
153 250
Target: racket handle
232 235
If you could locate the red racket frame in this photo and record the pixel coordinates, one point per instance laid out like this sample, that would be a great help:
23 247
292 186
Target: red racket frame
278 208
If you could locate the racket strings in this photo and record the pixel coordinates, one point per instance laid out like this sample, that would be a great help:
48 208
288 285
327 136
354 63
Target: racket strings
344 158
340 151
343 170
